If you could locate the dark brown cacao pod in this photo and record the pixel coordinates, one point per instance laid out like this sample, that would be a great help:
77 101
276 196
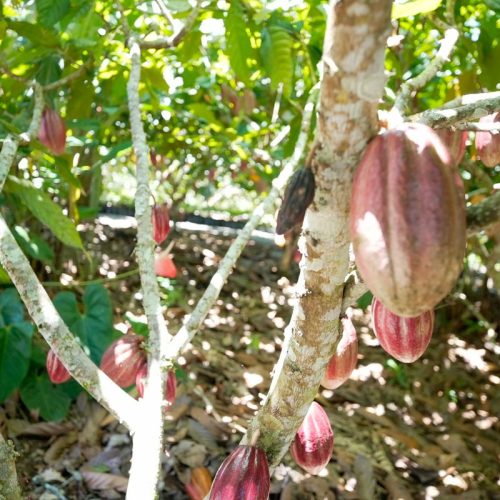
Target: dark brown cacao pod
161 223
52 132
58 373
244 475
488 143
313 445
344 360
123 359
299 194
405 339
407 219
455 141
170 384
199 486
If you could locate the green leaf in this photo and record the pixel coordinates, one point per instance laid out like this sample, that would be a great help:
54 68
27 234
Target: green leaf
38 35
33 245
46 211
38 393
414 7
277 54
50 12
11 308
238 46
178 5
4 276
15 350
94 327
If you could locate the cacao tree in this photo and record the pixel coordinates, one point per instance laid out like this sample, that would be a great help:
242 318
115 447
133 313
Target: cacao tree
195 97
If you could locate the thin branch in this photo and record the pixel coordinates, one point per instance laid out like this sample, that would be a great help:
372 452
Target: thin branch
193 324
9 486
483 214
176 38
166 13
417 82
148 439
470 99
446 116
68 78
57 335
476 127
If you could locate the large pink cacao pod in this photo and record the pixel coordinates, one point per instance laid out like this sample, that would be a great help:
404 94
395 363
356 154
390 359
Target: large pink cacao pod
488 143
58 373
343 362
170 384
123 359
405 339
52 132
407 219
312 447
455 141
244 475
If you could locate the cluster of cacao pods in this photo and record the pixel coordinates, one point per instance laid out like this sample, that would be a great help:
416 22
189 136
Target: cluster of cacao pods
408 231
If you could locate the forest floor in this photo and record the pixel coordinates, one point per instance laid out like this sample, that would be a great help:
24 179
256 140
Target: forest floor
425 430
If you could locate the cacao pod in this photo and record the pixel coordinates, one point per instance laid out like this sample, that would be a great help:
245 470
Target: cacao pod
313 445
123 359
164 265
244 475
299 194
407 219
170 384
488 143
199 486
405 339
58 373
344 360
161 223
52 132
455 141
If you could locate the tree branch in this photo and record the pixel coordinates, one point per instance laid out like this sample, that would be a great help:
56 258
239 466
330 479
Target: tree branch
9 487
417 82
483 214
176 38
148 438
350 91
472 110
193 324
57 335
477 127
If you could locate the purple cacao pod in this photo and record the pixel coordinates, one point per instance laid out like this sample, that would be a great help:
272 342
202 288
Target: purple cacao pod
312 447
343 362
170 384
52 132
161 223
405 339
123 359
58 373
244 475
488 143
455 141
407 219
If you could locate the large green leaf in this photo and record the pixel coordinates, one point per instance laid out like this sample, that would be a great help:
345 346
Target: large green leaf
38 35
38 393
414 7
238 46
94 327
50 12
11 308
277 54
46 211
15 350
32 244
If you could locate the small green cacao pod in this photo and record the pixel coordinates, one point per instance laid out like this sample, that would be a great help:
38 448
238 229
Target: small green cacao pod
299 194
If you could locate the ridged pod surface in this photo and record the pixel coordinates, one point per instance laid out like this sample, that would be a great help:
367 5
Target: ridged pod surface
312 447
488 143
405 339
455 141
161 223
58 373
344 360
123 359
52 132
170 384
407 219
244 475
